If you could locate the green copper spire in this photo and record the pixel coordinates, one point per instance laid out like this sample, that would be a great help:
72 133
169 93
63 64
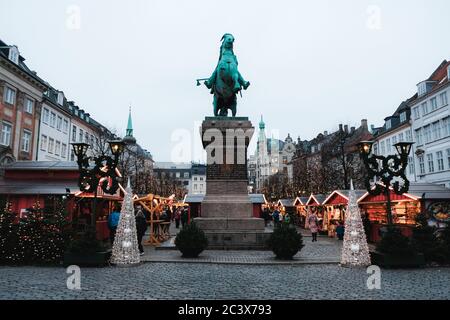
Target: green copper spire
130 125
262 125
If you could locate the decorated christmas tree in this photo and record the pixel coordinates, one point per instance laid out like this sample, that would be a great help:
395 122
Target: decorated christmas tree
125 248
355 251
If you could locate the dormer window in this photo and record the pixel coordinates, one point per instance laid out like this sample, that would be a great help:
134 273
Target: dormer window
402 117
448 73
424 87
14 54
60 98
388 124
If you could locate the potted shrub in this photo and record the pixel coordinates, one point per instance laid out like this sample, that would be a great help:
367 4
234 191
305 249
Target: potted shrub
87 251
395 250
191 241
285 241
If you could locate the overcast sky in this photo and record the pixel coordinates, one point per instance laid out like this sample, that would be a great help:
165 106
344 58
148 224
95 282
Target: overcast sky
311 64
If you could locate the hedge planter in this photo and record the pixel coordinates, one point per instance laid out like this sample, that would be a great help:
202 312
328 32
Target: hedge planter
285 242
93 259
191 241
386 260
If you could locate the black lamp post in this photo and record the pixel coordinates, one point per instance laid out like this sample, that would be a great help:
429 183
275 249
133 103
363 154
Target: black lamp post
103 173
389 170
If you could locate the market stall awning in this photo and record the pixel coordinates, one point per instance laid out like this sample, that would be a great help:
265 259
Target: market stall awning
300 201
257 198
316 199
193 198
340 197
26 187
417 191
285 202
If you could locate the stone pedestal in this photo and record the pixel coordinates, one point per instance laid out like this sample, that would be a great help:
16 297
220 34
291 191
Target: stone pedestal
227 212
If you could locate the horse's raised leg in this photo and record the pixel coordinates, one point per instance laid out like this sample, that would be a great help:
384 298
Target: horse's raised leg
233 107
237 85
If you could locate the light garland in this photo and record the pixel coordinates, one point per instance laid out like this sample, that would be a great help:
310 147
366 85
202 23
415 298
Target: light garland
125 248
355 251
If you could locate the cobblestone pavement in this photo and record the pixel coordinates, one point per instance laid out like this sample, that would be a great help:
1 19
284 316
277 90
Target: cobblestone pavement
325 250
212 281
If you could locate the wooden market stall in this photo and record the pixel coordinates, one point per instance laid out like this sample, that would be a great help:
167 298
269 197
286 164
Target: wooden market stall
301 210
259 203
286 206
314 204
335 207
194 203
432 199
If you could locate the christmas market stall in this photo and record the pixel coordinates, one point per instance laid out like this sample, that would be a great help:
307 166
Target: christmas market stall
432 199
259 202
300 208
286 206
30 184
335 206
314 204
194 201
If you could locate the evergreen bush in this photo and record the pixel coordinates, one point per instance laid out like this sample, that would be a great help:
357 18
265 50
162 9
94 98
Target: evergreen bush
191 240
285 241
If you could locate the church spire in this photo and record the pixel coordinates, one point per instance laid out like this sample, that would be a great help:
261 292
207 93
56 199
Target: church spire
129 139
262 125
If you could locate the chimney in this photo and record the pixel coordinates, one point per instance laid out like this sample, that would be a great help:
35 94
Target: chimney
325 133
352 129
346 128
340 127
364 123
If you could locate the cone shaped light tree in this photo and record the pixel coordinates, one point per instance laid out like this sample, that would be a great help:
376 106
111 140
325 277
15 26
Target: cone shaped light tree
125 248
355 251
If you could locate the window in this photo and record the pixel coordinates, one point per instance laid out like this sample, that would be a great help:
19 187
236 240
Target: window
57 148
46 116
440 160
394 140
5 138
403 117
375 148
186 175
421 165
86 137
443 98
177 175
419 137
434 104
195 178
26 138
446 126
65 126
436 130
9 96
448 158
424 108
388 124
416 113
400 137
72 155
51 144
43 142
408 136
430 163
201 178
80 135
388 145
411 165
427 133
29 104
382 147
13 54
74 133
92 140
59 123
63 150
195 187
52 119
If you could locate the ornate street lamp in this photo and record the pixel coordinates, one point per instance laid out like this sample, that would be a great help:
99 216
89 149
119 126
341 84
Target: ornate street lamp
386 172
103 173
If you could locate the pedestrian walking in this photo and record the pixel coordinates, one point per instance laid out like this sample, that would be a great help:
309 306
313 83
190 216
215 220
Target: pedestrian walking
141 228
313 222
340 230
184 217
177 218
276 217
113 222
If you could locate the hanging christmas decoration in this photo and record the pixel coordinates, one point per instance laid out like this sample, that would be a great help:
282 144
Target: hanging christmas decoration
125 248
355 251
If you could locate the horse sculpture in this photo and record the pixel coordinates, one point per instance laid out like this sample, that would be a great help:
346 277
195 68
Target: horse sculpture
226 81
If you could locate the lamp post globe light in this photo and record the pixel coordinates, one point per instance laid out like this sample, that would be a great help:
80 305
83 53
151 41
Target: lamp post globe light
387 172
103 173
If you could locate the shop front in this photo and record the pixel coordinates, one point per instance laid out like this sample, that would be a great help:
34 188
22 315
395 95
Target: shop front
301 210
314 205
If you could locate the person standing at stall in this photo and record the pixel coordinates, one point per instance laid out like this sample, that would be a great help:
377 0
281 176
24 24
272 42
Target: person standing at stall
340 230
141 227
313 222
184 217
113 222
177 218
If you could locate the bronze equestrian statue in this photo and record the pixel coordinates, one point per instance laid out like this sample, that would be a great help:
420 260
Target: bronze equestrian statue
226 81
